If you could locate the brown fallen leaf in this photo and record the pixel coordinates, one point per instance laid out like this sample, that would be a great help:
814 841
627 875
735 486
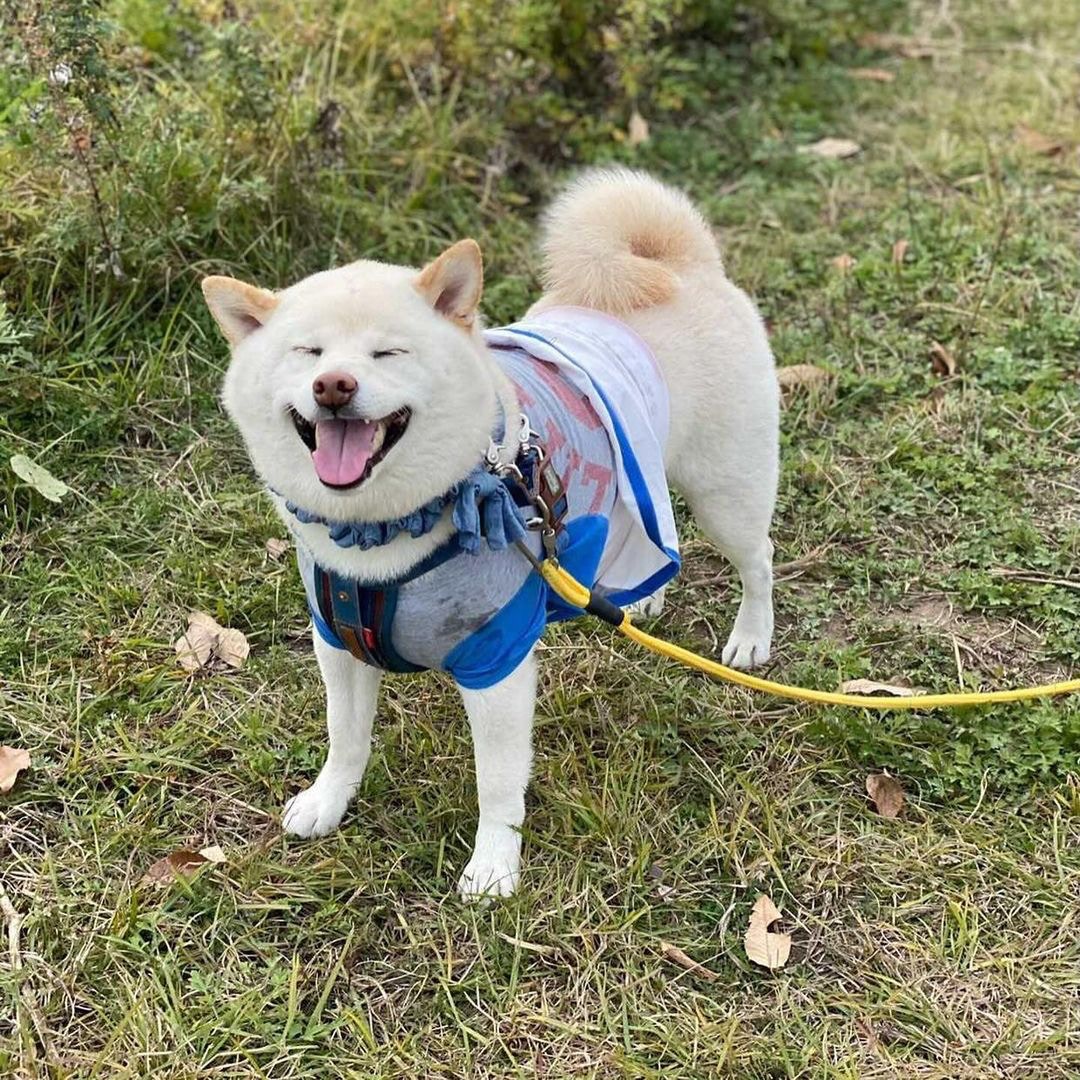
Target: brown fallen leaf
899 250
276 547
843 263
871 688
872 74
213 853
637 131
832 148
13 760
942 362
205 640
1037 142
886 794
763 946
196 645
232 648
800 376
677 956
179 864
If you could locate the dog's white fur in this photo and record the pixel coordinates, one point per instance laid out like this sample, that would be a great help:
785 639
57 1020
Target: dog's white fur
615 240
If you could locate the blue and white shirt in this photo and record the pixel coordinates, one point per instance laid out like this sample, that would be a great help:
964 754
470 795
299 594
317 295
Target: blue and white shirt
593 391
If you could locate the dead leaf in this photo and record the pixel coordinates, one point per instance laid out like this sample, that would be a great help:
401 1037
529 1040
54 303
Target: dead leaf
12 762
179 864
942 361
899 250
886 794
763 946
213 854
232 648
677 956
871 688
205 640
872 74
1037 142
195 646
276 547
843 263
800 376
832 148
637 131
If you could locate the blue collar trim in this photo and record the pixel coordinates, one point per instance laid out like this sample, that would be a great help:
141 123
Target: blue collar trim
483 510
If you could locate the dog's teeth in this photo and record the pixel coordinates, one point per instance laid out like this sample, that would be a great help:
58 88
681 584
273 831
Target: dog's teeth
380 435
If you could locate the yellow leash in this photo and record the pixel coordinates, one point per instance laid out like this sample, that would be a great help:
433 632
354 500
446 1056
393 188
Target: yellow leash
574 593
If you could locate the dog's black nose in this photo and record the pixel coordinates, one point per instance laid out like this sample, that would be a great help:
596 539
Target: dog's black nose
334 389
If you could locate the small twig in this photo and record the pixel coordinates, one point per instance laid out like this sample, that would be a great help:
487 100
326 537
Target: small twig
14 929
1031 578
14 926
677 956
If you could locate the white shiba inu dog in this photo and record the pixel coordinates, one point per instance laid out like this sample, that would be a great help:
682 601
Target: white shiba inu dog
378 411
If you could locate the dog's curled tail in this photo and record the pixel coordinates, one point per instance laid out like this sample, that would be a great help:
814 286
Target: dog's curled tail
617 239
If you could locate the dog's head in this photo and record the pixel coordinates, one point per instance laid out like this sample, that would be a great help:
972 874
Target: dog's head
363 392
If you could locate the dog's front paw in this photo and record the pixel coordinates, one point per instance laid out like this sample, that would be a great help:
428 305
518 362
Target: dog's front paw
494 868
746 650
316 811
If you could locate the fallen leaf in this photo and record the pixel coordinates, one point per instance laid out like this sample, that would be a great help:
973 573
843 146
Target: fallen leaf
872 74
12 762
276 547
195 646
886 794
1036 141
232 648
205 639
677 956
39 478
832 148
763 946
796 376
869 687
213 854
899 250
179 864
942 361
843 263
637 131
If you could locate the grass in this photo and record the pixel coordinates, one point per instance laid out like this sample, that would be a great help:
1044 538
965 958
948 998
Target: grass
927 531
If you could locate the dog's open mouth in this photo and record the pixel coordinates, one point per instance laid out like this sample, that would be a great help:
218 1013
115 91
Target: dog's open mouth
345 450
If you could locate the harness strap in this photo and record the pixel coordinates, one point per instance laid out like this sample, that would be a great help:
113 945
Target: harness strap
361 616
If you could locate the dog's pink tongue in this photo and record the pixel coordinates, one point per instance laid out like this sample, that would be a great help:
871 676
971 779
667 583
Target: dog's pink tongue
342 450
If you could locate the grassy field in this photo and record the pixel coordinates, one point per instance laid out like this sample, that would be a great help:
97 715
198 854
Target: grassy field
927 533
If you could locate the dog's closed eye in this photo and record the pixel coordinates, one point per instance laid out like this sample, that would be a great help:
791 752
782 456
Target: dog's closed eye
378 354
308 350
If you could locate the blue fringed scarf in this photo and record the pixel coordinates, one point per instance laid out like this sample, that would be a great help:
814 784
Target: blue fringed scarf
484 509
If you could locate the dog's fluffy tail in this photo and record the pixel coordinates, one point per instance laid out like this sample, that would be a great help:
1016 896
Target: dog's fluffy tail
617 239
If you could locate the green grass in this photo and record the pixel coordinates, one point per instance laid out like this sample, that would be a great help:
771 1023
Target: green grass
927 531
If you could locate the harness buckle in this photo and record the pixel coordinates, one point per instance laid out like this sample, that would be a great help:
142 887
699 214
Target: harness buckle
538 483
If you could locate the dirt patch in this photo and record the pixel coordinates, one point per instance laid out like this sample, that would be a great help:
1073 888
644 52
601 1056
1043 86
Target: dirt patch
989 642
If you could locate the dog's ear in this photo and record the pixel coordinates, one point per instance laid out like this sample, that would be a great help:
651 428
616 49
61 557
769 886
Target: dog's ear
453 282
237 307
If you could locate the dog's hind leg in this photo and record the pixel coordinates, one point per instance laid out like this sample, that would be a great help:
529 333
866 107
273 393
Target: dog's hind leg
500 718
739 527
352 690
